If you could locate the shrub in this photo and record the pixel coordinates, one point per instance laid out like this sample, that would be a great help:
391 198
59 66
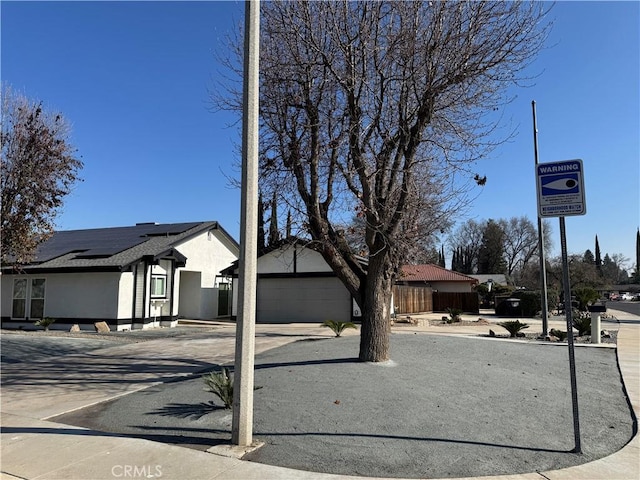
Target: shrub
585 296
45 322
528 306
529 302
338 327
221 384
513 327
559 334
454 315
582 322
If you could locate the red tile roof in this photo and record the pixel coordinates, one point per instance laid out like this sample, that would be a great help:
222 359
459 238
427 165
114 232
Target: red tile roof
431 273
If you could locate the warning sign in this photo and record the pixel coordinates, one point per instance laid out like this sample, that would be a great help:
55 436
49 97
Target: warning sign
560 188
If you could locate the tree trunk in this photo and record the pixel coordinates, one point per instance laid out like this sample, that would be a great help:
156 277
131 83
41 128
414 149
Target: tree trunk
376 312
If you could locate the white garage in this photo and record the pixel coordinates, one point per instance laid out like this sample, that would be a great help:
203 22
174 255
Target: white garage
302 299
295 284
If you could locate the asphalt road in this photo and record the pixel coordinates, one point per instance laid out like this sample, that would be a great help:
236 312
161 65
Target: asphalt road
629 307
444 407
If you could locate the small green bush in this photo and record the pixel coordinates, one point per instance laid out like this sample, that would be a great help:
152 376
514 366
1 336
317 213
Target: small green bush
45 322
338 327
582 322
513 327
559 334
220 384
454 315
585 296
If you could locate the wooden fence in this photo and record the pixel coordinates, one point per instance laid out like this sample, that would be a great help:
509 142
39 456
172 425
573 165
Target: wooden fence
408 299
465 301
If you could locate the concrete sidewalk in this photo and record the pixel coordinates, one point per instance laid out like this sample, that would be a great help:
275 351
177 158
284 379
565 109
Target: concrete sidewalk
34 448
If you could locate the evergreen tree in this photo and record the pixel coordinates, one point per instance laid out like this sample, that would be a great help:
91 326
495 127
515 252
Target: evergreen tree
588 257
261 237
598 257
637 273
274 233
288 229
491 255
441 258
454 261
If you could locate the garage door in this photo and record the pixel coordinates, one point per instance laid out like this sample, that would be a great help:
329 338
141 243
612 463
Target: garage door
313 300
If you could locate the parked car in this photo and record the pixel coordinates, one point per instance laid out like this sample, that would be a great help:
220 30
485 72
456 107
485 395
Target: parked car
614 296
626 296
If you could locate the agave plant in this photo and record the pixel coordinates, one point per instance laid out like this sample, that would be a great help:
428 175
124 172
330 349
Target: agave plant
454 315
338 327
221 384
559 334
582 322
45 322
513 327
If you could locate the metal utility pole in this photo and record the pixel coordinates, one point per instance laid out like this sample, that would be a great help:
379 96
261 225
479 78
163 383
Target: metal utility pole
543 265
242 424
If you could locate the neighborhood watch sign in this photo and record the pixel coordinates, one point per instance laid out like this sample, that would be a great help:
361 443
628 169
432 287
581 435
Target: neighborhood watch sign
560 188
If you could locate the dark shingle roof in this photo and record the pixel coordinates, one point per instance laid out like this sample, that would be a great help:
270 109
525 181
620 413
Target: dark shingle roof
113 248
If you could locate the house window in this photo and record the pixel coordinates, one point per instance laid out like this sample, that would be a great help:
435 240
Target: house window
28 293
19 298
37 298
158 286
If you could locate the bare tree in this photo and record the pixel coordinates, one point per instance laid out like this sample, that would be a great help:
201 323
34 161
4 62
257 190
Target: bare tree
465 242
520 242
39 167
379 109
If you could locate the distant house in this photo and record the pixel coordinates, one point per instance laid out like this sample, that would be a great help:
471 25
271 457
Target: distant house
295 284
429 287
491 278
437 278
131 277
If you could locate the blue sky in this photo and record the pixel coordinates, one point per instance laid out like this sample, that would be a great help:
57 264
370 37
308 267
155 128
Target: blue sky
134 80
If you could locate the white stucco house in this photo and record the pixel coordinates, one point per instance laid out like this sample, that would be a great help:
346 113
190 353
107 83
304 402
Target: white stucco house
130 277
295 284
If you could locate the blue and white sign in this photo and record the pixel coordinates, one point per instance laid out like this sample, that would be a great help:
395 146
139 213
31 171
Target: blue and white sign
560 187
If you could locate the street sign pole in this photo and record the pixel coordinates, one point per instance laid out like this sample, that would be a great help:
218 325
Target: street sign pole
560 189
572 358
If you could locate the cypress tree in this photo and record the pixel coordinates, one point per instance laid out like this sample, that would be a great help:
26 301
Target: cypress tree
598 257
288 230
261 237
638 255
274 233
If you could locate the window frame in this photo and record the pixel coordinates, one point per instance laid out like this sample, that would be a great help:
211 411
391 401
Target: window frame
41 299
23 299
154 278
28 300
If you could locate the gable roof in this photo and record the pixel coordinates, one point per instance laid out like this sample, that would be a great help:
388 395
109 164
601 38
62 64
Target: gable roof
114 249
431 273
494 277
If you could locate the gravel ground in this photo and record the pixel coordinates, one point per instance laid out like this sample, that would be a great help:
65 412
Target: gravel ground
29 345
444 407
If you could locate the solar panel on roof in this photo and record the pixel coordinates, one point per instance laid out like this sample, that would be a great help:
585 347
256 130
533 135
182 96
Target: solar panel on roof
169 229
105 242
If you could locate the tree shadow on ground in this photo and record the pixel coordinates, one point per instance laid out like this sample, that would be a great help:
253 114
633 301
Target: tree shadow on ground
187 410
